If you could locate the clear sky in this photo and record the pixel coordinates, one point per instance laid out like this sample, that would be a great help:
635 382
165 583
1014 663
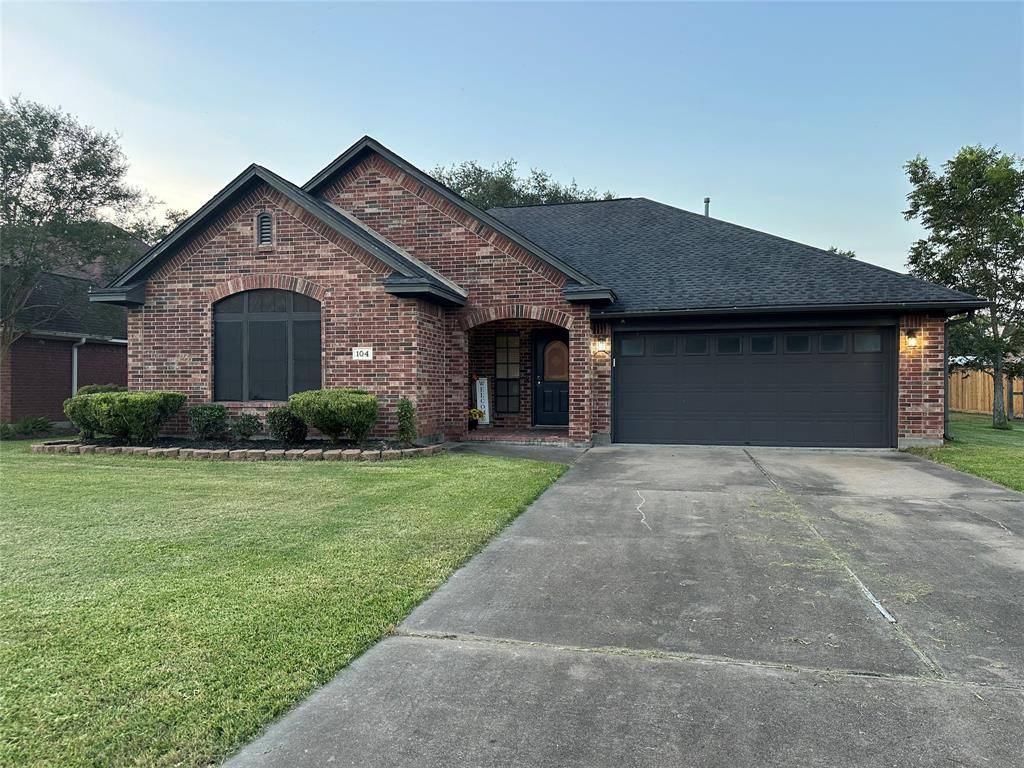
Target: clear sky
795 118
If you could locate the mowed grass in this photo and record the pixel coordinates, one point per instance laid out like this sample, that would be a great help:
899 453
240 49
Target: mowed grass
995 454
159 612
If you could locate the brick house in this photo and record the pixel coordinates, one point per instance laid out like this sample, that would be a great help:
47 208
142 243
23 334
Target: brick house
68 342
623 320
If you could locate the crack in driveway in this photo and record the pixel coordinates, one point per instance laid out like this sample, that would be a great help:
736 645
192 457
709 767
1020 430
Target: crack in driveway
703 658
898 628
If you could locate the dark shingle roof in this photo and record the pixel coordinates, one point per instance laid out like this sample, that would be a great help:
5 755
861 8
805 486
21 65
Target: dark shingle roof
60 304
659 258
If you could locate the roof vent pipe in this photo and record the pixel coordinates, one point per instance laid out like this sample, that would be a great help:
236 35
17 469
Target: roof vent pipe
707 206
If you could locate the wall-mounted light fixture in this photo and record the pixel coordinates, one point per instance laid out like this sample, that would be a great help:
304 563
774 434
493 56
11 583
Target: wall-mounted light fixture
912 338
601 345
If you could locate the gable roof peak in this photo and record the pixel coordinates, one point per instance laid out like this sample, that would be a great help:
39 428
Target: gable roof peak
356 152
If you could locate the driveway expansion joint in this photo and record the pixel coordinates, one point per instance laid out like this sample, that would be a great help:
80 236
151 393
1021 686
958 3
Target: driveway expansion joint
929 663
706 660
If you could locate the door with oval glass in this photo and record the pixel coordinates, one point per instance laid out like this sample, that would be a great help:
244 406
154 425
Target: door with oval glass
551 379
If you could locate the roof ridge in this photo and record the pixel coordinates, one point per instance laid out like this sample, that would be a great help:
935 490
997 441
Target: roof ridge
566 202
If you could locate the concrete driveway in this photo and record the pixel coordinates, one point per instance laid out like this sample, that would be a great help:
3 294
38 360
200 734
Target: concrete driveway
705 606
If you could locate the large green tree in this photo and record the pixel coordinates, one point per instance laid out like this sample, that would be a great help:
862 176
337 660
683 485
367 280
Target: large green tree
501 186
973 209
65 207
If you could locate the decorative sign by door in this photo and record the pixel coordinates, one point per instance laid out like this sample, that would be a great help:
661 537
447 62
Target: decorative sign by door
483 401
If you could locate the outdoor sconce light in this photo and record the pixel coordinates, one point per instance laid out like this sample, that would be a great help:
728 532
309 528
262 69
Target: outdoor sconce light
601 345
912 338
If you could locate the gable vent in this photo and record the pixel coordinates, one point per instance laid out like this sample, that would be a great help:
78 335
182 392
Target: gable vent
264 229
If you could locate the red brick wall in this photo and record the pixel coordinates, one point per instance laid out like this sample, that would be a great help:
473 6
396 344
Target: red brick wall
102 364
496 272
41 378
5 388
36 377
171 336
431 344
921 380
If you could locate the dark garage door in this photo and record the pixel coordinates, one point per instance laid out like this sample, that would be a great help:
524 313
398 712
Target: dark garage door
821 387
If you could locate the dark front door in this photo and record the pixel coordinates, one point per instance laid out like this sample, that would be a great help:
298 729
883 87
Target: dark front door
551 379
813 387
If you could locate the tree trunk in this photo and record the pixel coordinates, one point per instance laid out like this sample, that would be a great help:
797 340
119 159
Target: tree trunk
999 394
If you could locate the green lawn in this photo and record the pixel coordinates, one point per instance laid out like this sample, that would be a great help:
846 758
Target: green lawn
159 612
995 454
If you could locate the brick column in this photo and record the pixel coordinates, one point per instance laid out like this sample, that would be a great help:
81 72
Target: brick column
921 381
456 394
580 376
601 405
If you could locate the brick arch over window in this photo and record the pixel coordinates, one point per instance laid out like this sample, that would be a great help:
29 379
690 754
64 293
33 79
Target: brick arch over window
253 282
515 312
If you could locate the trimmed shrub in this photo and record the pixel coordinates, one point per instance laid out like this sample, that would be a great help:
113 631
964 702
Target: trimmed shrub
81 412
406 421
285 427
134 417
337 412
92 389
245 426
208 421
6 431
31 426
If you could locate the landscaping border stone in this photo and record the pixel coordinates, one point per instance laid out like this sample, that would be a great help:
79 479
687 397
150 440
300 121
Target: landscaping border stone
242 454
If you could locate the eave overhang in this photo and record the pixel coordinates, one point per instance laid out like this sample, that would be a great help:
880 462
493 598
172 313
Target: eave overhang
131 295
588 294
948 308
422 288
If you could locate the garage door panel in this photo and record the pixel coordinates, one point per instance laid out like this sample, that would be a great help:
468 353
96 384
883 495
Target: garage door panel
806 398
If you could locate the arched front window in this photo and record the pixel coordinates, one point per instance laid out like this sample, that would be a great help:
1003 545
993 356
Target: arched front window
266 345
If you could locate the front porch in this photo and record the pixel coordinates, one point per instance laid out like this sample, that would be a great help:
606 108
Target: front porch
521 435
525 364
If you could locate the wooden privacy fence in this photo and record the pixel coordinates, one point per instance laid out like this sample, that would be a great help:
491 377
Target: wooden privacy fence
973 392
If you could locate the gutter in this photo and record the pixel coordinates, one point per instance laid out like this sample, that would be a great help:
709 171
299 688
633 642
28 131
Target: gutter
65 335
908 306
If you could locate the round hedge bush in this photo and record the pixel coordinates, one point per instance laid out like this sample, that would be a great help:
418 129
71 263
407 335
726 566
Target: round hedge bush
337 412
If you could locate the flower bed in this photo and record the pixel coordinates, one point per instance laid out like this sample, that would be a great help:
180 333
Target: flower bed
242 454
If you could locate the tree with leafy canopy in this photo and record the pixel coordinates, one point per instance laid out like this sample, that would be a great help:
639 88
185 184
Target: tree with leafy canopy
842 252
65 207
974 213
154 230
501 186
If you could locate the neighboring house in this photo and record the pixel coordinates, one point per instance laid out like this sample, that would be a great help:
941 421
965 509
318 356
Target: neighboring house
68 342
626 320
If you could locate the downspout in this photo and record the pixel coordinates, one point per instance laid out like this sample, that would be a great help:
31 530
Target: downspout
74 365
945 364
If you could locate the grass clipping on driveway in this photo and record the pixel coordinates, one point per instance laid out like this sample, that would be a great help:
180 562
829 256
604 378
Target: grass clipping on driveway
160 612
977 448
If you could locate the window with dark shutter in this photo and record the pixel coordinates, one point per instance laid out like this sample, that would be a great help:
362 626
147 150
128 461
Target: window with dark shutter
506 373
266 345
264 229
